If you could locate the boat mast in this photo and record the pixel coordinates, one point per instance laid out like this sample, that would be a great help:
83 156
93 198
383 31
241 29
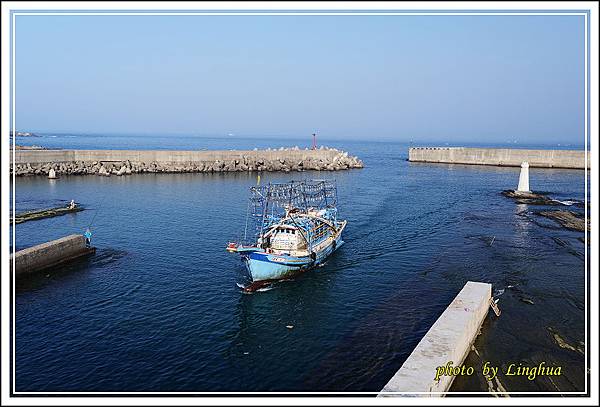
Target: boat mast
304 196
265 209
246 226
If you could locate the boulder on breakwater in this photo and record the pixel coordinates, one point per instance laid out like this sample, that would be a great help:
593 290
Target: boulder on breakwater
125 162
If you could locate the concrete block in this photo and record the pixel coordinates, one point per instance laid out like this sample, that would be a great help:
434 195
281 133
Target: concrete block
511 157
49 254
448 339
162 156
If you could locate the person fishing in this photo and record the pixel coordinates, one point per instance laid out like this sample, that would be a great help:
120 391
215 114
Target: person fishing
88 237
72 204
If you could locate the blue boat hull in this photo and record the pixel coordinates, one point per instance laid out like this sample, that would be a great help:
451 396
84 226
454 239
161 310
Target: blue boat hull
265 266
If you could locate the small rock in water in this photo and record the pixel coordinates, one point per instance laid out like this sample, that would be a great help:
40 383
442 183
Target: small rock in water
530 198
561 342
567 219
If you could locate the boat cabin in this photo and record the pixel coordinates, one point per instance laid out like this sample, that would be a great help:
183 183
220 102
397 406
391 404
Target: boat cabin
285 237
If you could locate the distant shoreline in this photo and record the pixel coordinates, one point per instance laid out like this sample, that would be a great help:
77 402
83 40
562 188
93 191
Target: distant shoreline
92 141
25 134
20 147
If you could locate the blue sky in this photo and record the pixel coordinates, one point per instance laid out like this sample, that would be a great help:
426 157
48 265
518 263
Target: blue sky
444 78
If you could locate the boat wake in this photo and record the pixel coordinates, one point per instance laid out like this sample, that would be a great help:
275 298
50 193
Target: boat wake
566 202
269 288
261 286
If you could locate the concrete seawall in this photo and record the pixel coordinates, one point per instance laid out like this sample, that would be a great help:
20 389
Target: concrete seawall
448 340
49 254
39 162
509 157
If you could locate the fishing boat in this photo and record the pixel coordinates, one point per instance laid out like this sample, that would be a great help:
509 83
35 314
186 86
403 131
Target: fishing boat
290 228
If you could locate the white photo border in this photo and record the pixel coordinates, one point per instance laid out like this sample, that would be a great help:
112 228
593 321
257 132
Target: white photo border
307 9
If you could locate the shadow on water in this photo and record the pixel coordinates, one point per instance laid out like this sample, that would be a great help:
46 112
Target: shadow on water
275 326
69 271
378 343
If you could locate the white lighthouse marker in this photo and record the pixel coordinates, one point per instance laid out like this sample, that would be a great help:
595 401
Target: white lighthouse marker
524 178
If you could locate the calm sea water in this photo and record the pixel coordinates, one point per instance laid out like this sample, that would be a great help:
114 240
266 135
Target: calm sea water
158 308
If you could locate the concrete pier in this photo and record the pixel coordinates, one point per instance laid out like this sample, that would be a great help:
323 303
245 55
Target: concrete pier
44 213
448 340
509 157
49 254
124 162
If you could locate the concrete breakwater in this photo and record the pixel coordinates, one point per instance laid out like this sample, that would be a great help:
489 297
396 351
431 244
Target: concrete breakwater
44 213
510 157
122 162
444 347
49 254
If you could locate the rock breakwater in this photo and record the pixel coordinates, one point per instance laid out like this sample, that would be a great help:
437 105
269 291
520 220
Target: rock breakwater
124 162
